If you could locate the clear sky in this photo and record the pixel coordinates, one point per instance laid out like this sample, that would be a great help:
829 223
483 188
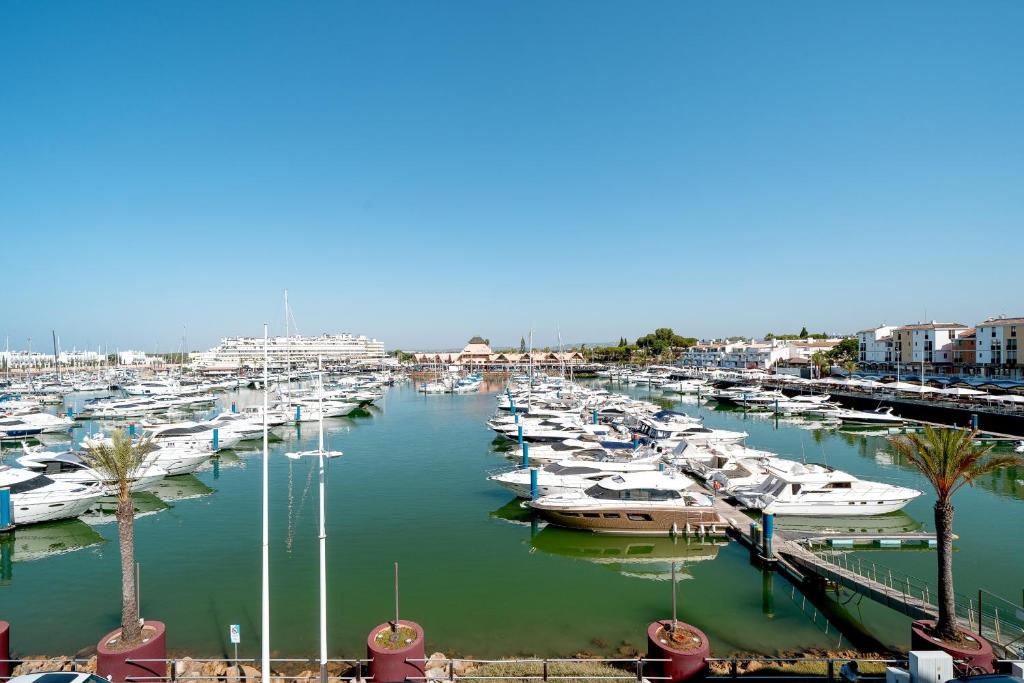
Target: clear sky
422 171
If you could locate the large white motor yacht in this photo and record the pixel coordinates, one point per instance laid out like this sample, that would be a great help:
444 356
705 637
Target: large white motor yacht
793 488
37 498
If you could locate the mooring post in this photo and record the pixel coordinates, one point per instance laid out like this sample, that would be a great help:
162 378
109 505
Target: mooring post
6 510
526 455
533 483
768 520
216 439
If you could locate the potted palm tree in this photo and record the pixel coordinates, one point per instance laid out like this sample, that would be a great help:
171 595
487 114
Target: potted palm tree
121 653
949 459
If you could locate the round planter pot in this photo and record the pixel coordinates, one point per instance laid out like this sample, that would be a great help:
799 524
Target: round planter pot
5 650
682 665
977 659
124 665
390 666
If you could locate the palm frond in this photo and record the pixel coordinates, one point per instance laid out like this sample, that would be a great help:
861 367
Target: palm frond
949 458
119 459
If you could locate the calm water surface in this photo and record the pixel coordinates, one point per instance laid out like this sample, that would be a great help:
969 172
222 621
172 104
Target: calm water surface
481 579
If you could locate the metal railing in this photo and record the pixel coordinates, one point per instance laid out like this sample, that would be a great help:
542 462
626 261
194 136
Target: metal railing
994 617
545 669
797 668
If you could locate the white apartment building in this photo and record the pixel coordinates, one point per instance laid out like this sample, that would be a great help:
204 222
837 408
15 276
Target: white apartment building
997 341
876 344
236 352
926 342
710 355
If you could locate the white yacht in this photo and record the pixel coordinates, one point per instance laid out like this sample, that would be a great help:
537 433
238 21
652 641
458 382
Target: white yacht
879 416
197 435
68 467
152 388
33 424
37 498
566 476
793 488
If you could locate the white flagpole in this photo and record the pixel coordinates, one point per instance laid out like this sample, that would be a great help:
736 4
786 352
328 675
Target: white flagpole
323 534
265 615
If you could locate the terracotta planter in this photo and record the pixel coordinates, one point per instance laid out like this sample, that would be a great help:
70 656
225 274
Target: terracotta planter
980 659
390 666
129 665
5 650
687 665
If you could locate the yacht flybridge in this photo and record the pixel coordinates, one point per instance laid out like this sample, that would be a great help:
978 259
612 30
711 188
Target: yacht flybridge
573 474
792 488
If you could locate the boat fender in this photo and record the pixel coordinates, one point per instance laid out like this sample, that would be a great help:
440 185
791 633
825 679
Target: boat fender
675 529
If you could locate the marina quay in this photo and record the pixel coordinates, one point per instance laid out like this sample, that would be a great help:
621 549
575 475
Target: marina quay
511 341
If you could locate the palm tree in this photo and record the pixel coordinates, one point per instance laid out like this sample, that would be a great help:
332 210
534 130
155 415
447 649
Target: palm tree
851 367
118 462
949 460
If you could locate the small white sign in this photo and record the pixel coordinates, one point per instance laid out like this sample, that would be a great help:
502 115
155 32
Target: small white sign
235 631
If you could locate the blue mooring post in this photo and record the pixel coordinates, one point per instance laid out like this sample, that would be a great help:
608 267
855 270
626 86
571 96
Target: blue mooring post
6 518
595 415
520 434
974 421
513 407
298 413
131 429
234 407
768 521
517 418
216 439
533 483
661 467
526 455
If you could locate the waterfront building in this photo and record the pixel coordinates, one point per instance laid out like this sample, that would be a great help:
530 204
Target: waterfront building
996 342
930 343
708 355
237 352
875 344
477 354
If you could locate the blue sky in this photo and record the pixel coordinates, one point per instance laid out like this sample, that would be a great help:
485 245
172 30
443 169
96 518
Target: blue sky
425 171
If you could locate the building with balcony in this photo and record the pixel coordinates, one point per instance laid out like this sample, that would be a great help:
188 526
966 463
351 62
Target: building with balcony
997 343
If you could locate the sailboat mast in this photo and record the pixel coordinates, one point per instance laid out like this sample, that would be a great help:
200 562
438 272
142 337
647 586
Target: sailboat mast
56 358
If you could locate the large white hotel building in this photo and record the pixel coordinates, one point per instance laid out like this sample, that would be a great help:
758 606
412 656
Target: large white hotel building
239 352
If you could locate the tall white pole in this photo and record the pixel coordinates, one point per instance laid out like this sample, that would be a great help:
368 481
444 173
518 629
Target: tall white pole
265 615
323 533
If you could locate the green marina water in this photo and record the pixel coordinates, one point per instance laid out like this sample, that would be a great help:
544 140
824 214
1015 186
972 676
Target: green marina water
475 572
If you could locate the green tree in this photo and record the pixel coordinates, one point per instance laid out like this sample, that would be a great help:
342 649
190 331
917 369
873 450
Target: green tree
803 332
851 367
118 463
821 360
847 349
949 460
522 345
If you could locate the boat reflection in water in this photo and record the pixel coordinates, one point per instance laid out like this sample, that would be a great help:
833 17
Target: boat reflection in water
892 523
640 557
515 511
38 541
184 487
105 511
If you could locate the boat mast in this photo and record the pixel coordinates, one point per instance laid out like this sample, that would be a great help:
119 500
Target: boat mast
529 395
56 358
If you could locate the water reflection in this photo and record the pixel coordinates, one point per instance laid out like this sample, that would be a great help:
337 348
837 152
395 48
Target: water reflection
105 510
894 522
640 557
39 541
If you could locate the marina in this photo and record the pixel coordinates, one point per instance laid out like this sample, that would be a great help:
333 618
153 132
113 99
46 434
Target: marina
470 534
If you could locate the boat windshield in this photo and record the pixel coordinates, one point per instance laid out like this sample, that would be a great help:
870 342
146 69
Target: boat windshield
601 493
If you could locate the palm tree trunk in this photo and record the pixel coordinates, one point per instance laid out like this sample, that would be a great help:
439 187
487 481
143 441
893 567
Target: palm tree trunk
131 632
946 626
